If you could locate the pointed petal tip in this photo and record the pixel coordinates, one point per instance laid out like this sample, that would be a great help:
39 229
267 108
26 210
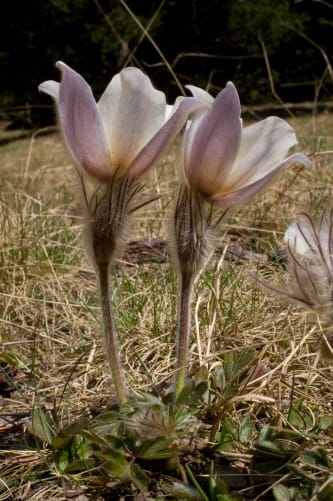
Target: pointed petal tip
60 64
49 87
231 84
299 158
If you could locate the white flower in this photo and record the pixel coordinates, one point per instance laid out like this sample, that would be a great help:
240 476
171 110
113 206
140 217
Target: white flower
126 131
229 164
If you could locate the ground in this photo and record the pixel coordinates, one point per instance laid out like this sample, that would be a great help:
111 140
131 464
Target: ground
258 415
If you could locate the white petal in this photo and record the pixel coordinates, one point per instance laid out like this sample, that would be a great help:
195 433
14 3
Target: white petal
51 88
264 145
301 242
165 135
168 111
201 94
132 111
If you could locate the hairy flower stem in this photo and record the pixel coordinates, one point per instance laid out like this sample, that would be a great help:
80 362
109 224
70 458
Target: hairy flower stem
110 334
192 247
183 328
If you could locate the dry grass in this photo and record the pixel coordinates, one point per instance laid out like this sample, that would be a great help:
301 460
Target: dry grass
51 347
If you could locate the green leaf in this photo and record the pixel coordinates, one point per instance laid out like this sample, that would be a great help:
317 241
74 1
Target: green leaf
63 461
235 367
301 473
219 379
217 486
67 433
114 462
77 456
325 422
265 433
41 426
326 494
236 363
270 447
317 457
191 393
138 477
157 449
299 418
227 435
13 359
107 423
79 465
178 490
282 493
234 431
191 475
246 429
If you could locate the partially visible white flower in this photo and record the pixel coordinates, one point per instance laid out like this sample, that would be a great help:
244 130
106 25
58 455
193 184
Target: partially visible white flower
310 265
312 241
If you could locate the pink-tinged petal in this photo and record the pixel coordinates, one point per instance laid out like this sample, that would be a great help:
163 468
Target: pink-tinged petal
263 146
132 111
201 94
244 194
211 143
81 124
166 134
51 88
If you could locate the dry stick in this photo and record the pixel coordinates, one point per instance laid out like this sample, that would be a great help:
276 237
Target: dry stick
110 335
154 44
321 50
144 34
270 77
318 87
113 29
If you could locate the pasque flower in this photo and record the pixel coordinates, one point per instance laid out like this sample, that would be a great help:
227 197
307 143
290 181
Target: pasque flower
229 164
112 142
222 165
125 131
310 265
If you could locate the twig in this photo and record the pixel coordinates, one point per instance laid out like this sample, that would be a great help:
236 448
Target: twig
270 77
154 44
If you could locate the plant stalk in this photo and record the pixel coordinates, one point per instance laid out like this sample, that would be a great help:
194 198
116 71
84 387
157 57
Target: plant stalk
110 334
183 328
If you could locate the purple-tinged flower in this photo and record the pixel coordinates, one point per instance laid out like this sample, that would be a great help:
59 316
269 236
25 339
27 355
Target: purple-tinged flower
114 140
126 131
223 165
229 164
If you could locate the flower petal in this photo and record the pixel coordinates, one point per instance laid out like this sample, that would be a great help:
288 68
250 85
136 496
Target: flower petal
81 124
300 238
263 146
312 241
211 143
201 94
165 135
242 195
132 111
51 88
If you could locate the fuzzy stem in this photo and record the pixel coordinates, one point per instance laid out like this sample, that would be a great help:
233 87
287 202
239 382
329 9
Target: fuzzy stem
110 334
183 328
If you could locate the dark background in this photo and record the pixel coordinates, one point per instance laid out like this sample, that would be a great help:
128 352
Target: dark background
206 42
